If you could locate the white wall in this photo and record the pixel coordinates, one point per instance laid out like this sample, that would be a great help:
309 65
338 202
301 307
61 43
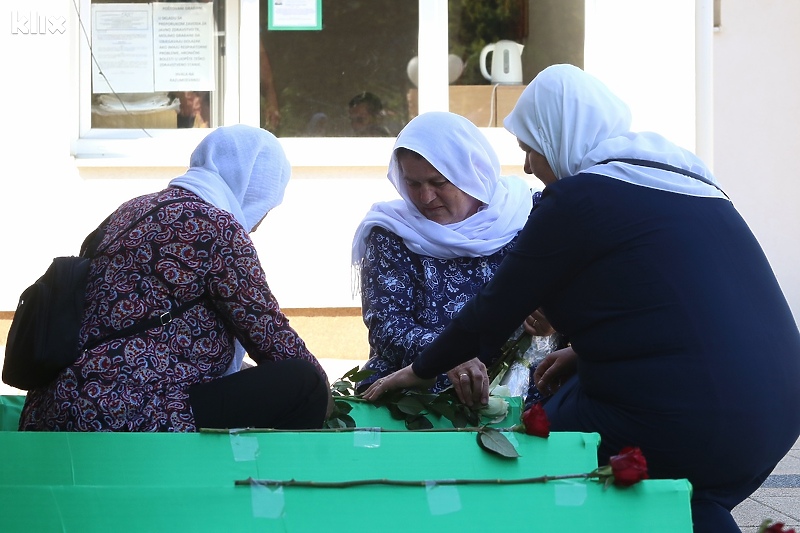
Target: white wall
757 126
644 52
47 204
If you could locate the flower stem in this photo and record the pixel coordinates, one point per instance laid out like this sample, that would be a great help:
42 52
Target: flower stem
403 483
341 430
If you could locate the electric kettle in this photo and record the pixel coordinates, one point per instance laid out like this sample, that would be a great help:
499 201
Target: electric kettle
506 62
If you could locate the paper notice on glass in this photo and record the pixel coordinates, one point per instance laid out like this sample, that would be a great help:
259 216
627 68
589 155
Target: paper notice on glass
294 15
183 38
122 47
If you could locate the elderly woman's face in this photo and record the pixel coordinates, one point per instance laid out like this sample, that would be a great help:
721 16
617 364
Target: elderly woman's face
432 194
536 164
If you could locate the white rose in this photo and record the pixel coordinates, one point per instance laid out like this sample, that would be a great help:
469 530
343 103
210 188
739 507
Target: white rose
496 410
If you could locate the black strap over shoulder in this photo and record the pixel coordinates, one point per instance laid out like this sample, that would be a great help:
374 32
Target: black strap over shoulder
664 166
161 320
93 240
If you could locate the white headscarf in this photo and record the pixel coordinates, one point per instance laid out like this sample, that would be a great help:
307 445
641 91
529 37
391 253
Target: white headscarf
242 170
239 169
576 122
456 148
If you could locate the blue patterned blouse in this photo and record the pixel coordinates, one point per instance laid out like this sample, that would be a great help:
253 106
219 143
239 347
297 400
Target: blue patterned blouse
407 299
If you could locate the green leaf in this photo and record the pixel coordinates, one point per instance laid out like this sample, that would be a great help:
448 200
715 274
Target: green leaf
494 441
443 399
410 405
335 422
442 409
350 373
342 386
361 375
466 416
343 407
459 419
425 398
418 422
347 420
396 413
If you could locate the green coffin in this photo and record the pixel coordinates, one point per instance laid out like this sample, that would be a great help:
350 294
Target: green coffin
152 482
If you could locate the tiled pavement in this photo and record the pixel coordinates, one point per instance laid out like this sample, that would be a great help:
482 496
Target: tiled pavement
778 499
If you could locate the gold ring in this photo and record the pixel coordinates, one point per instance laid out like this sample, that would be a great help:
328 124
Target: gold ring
535 322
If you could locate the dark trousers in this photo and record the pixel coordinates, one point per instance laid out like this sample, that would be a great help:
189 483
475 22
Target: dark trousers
288 394
722 475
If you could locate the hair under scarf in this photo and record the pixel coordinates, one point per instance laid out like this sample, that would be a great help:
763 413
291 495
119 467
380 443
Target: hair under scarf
457 149
242 170
577 123
239 169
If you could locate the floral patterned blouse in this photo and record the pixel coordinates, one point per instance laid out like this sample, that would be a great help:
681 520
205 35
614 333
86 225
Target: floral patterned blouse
181 252
407 299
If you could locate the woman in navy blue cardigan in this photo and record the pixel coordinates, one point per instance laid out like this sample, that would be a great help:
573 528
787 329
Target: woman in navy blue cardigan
682 342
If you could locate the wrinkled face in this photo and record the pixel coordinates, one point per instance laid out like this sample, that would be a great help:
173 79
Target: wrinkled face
430 192
536 164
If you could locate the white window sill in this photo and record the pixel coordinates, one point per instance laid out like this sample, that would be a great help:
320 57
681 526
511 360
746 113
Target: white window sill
171 148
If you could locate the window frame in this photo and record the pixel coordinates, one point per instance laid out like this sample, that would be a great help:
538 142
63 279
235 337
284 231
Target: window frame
241 102
152 147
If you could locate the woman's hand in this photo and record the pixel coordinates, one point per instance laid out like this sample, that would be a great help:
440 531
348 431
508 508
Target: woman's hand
537 324
471 382
554 370
405 378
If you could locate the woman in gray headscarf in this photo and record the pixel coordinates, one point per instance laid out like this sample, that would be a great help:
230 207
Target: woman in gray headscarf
185 253
682 343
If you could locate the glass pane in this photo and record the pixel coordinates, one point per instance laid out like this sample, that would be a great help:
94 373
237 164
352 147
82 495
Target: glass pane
347 79
497 47
157 64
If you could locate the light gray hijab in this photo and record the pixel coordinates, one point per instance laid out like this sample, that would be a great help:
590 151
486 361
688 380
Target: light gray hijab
239 169
242 170
456 148
577 123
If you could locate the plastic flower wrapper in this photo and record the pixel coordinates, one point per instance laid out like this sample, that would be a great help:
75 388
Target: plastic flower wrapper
518 375
521 353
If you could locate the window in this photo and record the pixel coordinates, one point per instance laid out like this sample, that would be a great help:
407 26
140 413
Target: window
497 48
153 71
348 79
335 96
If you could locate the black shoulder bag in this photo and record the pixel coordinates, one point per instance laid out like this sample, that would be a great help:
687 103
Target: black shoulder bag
45 332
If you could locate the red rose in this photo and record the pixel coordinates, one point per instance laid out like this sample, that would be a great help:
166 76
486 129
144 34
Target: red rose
629 467
777 527
536 422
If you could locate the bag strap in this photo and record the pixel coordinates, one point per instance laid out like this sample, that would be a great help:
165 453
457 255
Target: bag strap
93 240
89 250
161 320
664 166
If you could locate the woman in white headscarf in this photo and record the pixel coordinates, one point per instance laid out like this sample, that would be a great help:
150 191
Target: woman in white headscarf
422 257
179 269
682 343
